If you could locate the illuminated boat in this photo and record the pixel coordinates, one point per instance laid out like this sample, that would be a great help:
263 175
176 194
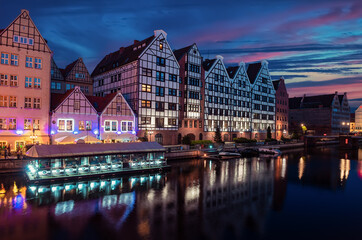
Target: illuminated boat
51 162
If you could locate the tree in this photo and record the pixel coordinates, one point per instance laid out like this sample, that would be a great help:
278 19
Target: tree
268 133
217 137
186 140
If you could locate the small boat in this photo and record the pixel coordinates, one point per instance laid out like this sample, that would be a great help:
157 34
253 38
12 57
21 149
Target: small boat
269 152
229 154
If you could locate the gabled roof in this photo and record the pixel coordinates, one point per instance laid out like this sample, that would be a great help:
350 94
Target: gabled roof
253 71
57 98
340 97
100 103
122 56
207 64
232 71
311 101
179 53
68 68
276 84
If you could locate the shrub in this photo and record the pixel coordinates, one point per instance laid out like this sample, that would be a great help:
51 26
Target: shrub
186 140
217 137
244 140
143 139
201 142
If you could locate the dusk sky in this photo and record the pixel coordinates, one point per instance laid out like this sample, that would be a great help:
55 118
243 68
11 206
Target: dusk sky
316 45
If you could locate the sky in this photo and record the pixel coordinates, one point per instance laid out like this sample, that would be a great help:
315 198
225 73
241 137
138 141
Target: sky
316 45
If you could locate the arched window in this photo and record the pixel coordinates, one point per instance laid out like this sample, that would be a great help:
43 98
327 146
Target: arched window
159 138
191 136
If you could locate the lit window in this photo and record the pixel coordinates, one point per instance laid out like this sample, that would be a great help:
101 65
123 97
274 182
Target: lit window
37 83
69 125
36 124
3 101
88 125
29 62
53 85
28 82
161 46
27 123
79 75
3 79
37 63
36 103
145 103
61 125
81 125
12 123
130 126
3 124
4 58
146 88
27 102
13 81
14 60
110 126
12 102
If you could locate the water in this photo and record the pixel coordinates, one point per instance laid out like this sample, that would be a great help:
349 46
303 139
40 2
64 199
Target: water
300 195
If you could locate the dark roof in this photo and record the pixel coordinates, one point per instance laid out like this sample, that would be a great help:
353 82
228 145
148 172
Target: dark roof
340 97
100 103
180 52
122 56
232 71
68 68
69 150
276 84
57 98
311 101
207 64
253 70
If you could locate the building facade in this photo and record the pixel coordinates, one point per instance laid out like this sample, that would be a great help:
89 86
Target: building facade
24 84
262 100
74 74
147 74
352 124
281 109
191 100
322 114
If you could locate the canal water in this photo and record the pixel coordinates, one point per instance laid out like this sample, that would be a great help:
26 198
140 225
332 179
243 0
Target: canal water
313 194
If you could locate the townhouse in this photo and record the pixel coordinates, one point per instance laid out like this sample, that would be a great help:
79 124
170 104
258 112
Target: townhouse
24 84
281 108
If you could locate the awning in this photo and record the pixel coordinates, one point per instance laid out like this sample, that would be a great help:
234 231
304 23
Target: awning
69 150
90 139
127 137
65 140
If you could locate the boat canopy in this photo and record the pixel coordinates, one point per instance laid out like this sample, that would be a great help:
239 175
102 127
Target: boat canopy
72 150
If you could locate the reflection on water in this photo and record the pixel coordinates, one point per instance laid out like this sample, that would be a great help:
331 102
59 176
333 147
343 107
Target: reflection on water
197 199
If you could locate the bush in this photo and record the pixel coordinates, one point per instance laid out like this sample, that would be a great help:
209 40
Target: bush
217 137
270 140
244 140
201 142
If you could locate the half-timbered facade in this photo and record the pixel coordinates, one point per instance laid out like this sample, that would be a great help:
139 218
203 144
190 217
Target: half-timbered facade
74 74
192 82
24 84
240 101
73 117
147 74
262 100
117 122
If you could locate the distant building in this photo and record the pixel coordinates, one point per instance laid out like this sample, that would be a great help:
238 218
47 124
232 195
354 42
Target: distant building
24 84
281 108
358 119
322 114
74 74
192 84
147 74
352 124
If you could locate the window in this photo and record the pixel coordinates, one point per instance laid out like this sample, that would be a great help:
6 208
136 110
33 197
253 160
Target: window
124 126
81 126
53 85
145 103
160 76
3 124
27 102
159 122
145 120
3 101
172 77
37 64
172 121
110 126
160 106
172 106
12 123
28 82
27 123
161 46
36 124
172 92
14 60
4 58
29 62
81 75
12 102
77 107
4 79
147 72
160 61
160 91
61 125
88 125
70 125
59 86
194 68
13 81
37 83
36 103
130 126
146 88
